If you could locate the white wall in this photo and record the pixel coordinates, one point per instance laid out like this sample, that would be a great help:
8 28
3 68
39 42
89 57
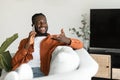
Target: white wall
15 15
105 4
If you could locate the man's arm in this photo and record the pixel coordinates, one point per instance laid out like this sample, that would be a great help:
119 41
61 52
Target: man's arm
74 43
22 55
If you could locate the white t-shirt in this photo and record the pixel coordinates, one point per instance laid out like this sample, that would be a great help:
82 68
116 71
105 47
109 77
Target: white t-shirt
35 62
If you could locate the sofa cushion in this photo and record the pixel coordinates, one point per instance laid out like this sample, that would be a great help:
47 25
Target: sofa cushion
12 76
64 59
25 72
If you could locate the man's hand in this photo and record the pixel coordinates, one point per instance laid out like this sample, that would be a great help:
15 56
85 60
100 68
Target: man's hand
61 37
30 39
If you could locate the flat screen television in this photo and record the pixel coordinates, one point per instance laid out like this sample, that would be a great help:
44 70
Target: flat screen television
105 30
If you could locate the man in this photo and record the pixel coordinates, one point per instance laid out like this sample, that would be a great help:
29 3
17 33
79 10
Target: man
37 49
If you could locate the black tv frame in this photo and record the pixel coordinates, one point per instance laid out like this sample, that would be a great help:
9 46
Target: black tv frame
102 47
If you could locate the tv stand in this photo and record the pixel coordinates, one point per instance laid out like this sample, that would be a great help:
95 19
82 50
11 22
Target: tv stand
112 51
108 60
104 50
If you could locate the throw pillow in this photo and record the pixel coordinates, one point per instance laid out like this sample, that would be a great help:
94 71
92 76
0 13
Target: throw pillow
64 59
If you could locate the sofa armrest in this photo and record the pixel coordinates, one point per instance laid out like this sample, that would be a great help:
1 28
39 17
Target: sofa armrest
88 68
87 64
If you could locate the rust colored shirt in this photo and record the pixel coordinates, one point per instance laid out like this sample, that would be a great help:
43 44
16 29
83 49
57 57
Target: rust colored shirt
46 48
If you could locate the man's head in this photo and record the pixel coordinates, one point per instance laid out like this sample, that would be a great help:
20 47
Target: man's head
39 22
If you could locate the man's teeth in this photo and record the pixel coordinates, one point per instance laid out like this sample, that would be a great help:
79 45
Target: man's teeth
42 28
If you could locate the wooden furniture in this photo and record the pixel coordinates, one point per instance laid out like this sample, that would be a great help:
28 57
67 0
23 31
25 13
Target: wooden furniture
104 62
109 63
116 73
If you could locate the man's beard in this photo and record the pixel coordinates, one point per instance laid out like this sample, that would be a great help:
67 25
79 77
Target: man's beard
41 34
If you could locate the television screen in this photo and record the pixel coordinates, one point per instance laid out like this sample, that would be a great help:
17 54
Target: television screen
105 28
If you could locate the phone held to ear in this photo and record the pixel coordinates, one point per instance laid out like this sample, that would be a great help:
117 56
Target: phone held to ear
33 28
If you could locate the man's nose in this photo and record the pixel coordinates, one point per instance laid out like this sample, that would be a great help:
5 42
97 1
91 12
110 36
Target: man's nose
39 24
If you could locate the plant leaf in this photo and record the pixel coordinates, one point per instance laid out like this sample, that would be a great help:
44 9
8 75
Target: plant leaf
7 42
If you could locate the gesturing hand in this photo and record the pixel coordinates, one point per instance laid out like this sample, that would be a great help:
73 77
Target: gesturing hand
61 37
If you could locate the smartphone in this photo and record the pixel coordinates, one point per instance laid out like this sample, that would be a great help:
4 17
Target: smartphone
33 28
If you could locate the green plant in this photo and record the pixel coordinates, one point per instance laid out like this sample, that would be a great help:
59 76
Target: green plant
5 57
83 31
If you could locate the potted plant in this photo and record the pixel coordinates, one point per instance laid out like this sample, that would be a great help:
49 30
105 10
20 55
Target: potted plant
82 32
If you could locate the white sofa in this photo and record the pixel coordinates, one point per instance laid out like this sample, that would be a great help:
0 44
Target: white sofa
88 68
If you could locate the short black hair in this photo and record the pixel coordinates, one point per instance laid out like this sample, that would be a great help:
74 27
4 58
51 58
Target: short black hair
35 15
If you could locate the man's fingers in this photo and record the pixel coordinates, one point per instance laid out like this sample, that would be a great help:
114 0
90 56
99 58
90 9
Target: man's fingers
62 31
32 33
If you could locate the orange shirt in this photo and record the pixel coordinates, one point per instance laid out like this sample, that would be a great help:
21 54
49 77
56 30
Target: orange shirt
47 46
